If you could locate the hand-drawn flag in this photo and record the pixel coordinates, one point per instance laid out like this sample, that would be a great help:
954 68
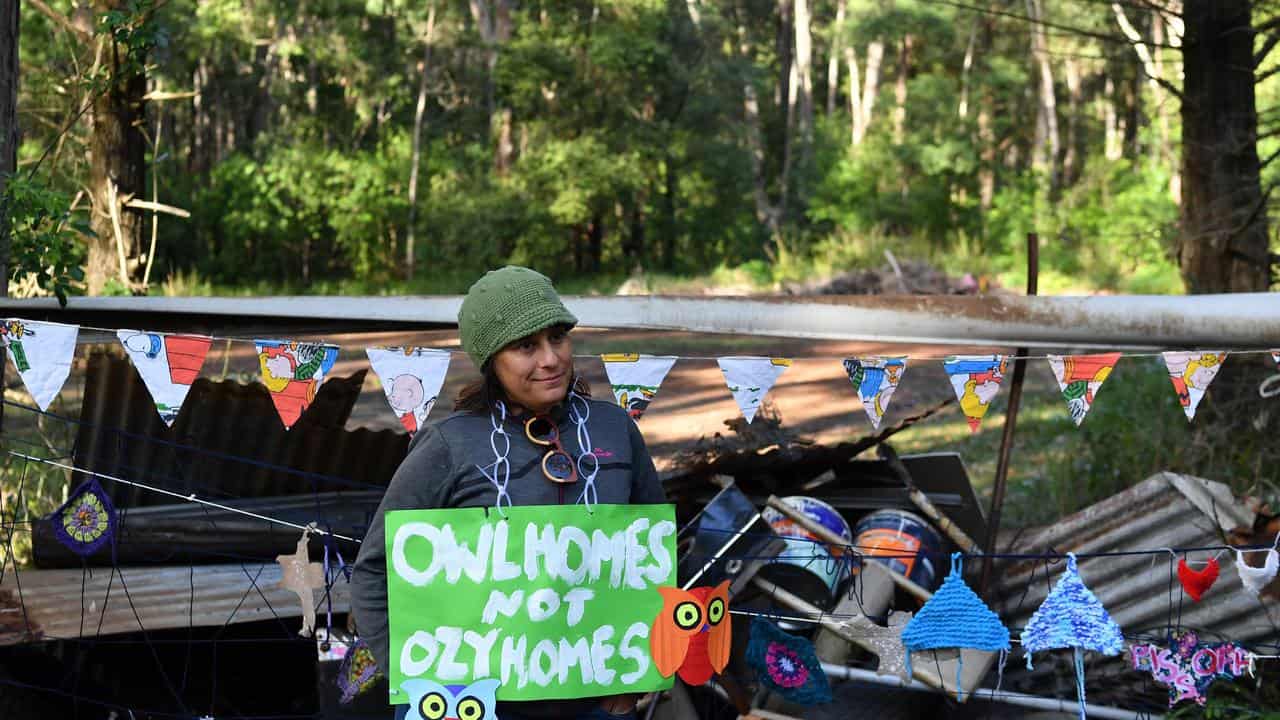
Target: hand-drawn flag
412 378
168 364
749 378
635 379
875 379
1080 377
292 372
1191 371
976 380
42 353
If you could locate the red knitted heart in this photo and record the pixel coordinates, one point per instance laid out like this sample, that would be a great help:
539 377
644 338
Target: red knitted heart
1197 583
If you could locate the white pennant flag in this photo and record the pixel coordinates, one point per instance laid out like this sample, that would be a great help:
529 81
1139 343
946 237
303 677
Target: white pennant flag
875 379
42 353
168 364
411 377
749 378
635 379
1191 371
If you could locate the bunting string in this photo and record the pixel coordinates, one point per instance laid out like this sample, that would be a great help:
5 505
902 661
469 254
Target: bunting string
412 377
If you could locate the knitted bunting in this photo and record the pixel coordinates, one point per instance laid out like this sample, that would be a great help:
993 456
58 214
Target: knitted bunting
1197 582
1188 667
955 617
787 664
1254 579
1072 617
86 521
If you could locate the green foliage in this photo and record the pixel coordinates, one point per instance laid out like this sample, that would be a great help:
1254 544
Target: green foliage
304 212
44 244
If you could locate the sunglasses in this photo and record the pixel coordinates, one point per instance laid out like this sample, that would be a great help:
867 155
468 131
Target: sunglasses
557 465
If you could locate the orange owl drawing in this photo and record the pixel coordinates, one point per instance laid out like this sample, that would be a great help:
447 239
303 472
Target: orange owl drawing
692 633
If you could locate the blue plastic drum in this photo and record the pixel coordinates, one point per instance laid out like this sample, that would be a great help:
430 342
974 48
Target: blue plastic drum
907 542
807 567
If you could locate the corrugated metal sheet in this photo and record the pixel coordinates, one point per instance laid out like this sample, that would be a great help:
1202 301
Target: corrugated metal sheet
228 442
71 603
1165 510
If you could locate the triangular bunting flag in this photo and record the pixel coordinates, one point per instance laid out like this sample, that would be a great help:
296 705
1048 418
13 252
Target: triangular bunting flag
1080 377
1191 372
1072 617
749 378
976 380
42 353
1275 355
412 378
292 372
875 379
635 379
168 364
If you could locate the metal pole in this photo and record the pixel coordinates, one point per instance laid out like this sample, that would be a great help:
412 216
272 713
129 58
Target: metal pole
1010 421
1011 698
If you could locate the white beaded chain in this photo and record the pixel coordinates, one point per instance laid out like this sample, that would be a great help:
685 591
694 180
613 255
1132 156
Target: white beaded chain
580 412
501 467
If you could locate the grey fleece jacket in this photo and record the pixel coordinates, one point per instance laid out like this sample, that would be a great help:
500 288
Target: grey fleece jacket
440 471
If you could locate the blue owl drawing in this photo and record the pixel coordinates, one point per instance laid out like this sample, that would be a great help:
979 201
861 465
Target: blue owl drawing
429 700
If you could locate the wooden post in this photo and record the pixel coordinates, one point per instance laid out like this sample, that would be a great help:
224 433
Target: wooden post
1010 422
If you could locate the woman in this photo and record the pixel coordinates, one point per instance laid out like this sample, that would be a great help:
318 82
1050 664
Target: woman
525 434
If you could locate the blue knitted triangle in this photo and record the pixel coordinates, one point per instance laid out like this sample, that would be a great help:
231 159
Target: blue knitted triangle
1072 617
955 618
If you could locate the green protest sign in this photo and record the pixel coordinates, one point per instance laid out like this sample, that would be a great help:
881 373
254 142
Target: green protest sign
553 601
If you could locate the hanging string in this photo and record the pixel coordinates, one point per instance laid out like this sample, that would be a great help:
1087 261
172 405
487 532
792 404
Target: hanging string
1009 358
188 498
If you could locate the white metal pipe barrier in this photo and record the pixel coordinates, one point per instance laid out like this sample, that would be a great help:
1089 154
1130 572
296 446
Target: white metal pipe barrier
1234 321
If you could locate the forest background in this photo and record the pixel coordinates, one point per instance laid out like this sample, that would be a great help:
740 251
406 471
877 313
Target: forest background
381 146
264 147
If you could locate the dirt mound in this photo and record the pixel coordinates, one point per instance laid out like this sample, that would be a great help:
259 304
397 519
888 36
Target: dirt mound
906 277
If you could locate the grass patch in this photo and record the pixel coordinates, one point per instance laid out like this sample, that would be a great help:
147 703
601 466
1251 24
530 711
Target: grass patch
1135 428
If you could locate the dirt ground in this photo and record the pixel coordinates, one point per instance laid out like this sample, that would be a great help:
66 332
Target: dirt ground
814 397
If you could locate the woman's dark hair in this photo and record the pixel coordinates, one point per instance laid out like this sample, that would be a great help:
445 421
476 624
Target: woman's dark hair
480 396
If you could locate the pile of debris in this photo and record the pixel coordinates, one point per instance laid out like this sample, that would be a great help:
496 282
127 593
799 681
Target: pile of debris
907 277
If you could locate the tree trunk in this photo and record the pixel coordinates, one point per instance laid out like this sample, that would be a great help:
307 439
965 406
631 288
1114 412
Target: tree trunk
1071 158
672 183
117 168
965 70
900 91
9 18
804 73
1047 145
419 114
1113 148
870 90
833 60
767 213
986 133
493 21
1223 247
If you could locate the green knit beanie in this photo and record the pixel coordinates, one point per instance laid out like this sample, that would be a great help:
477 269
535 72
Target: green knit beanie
506 305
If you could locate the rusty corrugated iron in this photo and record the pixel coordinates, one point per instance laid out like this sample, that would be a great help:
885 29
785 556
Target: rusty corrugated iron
1143 597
